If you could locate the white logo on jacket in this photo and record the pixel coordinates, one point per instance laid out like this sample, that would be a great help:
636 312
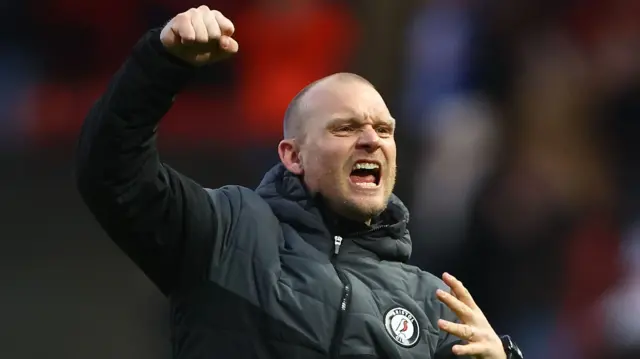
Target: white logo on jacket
402 326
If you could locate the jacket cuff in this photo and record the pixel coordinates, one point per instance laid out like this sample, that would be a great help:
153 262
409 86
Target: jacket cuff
161 67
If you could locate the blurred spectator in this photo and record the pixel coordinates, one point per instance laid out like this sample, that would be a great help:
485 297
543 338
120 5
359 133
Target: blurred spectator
548 213
453 122
621 324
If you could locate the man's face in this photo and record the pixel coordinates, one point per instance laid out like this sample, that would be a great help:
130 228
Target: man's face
348 154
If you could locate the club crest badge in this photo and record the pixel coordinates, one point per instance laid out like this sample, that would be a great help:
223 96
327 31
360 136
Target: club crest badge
402 327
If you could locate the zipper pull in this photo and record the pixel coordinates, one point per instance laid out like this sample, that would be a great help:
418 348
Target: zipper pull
337 241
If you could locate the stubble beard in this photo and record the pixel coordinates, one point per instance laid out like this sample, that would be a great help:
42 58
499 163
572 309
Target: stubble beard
363 209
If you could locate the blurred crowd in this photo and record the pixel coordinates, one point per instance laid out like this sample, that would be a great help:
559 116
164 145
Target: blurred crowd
517 128
527 175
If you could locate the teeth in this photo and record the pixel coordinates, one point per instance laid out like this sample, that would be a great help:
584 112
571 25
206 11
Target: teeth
366 166
367 184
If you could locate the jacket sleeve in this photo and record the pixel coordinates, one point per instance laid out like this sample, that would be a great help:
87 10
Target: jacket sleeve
153 213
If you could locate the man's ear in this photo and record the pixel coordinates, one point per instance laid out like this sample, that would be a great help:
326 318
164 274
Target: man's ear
289 153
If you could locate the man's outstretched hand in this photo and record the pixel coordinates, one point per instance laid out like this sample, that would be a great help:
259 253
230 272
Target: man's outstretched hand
199 36
483 342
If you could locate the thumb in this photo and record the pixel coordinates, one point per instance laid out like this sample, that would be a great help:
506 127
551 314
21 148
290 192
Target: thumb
228 44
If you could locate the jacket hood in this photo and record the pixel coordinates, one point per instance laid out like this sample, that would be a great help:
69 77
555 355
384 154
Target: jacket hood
388 237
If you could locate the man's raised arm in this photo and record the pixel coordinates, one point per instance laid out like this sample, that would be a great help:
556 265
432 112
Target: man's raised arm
152 212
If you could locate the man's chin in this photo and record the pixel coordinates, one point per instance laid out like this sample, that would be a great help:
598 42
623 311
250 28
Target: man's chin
363 209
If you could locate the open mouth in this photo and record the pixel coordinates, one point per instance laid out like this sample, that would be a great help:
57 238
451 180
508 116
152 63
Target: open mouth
365 174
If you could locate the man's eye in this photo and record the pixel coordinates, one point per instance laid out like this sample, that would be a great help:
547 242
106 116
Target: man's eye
385 130
344 129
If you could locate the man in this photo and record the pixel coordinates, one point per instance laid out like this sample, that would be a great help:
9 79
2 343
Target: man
309 265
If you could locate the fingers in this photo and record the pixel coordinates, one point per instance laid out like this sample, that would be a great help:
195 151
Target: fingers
197 21
211 26
471 349
462 331
459 290
483 341
181 26
229 44
463 311
226 26
479 341
202 25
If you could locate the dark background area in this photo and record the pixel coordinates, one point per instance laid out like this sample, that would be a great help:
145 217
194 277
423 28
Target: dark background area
517 145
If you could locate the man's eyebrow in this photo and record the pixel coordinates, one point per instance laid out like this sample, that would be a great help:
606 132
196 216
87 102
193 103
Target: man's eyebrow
387 121
343 119
354 119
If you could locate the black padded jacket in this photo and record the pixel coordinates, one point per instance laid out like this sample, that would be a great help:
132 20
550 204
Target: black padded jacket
264 273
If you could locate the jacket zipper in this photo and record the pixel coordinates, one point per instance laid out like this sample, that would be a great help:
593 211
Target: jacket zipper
337 242
336 341
344 302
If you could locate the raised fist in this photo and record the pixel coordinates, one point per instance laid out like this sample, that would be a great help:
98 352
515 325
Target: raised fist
199 36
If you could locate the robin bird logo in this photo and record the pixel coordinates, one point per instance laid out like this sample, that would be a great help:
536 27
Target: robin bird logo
402 327
405 326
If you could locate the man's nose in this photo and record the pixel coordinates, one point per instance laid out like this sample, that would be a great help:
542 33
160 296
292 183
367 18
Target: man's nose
369 139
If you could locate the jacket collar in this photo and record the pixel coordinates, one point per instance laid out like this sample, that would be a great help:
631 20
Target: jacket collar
387 237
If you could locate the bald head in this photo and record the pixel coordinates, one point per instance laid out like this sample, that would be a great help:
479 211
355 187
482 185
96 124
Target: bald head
294 117
332 125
